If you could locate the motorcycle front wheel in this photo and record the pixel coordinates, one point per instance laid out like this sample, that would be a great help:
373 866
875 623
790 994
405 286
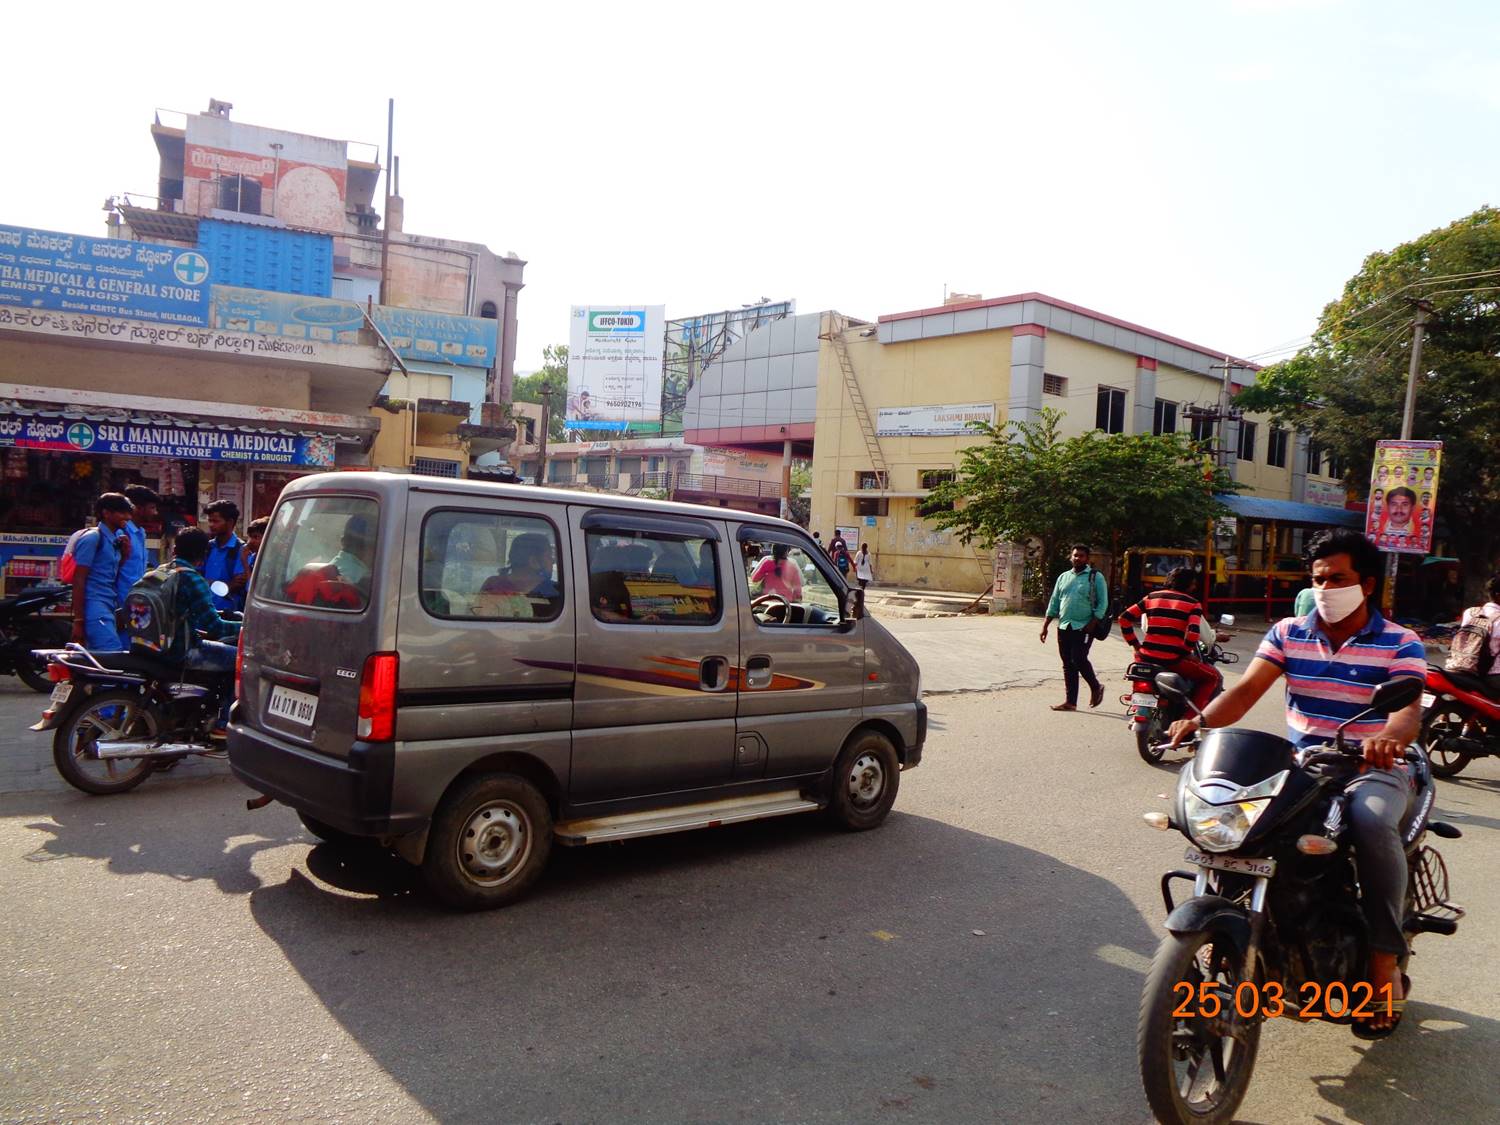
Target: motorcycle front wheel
108 715
1195 1067
1440 726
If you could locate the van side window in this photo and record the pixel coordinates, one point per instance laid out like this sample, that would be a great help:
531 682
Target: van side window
652 577
490 566
319 551
787 586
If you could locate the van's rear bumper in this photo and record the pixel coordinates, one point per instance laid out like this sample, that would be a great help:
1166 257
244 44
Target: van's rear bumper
353 796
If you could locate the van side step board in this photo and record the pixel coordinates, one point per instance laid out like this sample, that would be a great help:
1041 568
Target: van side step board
658 822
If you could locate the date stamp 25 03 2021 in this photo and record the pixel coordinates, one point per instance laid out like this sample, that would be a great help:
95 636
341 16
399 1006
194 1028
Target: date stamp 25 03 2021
1210 1000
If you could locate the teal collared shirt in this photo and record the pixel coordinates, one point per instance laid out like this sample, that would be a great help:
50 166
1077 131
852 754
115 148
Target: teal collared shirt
1072 604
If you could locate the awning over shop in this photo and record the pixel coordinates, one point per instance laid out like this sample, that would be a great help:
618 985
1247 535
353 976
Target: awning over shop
64 421
1290 511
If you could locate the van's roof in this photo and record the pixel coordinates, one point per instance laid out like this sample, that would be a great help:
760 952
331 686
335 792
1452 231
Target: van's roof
391 482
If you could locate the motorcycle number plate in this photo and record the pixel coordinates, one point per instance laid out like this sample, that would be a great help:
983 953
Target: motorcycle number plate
60 693
294 706
1428 699
1142 699
1240 866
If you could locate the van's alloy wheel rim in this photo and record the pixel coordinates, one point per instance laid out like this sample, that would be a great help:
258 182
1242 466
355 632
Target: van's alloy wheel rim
866 781
494 843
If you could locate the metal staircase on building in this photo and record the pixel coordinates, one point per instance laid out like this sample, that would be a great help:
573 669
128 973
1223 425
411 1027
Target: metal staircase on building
837 325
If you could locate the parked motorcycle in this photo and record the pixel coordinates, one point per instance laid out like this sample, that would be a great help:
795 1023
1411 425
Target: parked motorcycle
23 629
121 716
1460 720
1274 926
1152 713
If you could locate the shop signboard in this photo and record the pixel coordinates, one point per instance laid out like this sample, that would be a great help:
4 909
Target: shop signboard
44 269
1326 495
64 435
432 337
950 420
614 367
1403 496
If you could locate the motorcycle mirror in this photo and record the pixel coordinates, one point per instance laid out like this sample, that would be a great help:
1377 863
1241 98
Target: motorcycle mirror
1170 683
1396 694
220 589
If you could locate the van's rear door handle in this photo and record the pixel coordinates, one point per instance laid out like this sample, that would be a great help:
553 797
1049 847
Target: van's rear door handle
758 672
713 673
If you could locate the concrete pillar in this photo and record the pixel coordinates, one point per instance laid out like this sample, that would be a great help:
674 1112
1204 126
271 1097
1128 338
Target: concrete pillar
786 479
1145 395
505 362
1229 438
1010 568
1028 363
1300 442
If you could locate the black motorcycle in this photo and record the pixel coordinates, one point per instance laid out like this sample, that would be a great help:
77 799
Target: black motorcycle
1274 926
121 716
23 630
1152 713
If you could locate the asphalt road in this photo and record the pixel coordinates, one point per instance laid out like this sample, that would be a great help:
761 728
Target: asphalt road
169 956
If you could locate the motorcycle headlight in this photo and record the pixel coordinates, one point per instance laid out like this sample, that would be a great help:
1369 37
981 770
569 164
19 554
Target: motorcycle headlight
1220 828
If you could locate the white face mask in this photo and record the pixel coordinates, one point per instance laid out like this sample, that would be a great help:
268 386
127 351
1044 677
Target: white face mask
1335 604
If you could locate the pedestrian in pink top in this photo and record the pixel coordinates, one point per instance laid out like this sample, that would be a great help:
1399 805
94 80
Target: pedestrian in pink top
777 575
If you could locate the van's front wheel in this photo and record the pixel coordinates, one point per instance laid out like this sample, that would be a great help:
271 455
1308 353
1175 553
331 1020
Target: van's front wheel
489 842
865 779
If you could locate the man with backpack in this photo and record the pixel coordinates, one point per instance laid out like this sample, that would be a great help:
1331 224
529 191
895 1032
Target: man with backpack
167 609
1475 648
1080 605
96 559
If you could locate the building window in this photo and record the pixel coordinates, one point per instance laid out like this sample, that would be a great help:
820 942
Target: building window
1276 447
1164 421
239 193
435 467
488 311
1202 427
931 478
1109 412
1054 385
876 506
866 478
1314 459
1336 466
1247 440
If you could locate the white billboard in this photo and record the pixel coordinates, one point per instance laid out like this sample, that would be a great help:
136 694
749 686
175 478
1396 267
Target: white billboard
950 420
614 367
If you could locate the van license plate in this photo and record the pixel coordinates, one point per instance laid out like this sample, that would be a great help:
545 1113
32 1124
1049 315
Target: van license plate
1428 699
1142 699
1262 867
294 706
60 693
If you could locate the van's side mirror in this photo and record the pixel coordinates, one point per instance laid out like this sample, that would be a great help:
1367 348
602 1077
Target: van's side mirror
854 605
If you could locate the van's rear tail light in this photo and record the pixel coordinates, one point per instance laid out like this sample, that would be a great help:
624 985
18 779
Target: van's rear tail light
58 673
377 698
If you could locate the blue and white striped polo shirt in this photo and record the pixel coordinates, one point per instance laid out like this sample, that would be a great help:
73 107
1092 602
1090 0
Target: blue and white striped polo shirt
1323 687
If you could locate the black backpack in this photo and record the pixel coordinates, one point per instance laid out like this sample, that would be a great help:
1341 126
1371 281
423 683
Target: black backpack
148 616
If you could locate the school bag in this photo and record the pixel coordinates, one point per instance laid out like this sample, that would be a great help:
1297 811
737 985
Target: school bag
69 564
148 616
1469 651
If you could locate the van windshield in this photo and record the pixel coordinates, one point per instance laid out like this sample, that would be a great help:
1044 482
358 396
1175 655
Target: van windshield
319 551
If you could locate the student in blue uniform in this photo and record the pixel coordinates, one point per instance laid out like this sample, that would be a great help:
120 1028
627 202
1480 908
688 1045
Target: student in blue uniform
225 562
99 555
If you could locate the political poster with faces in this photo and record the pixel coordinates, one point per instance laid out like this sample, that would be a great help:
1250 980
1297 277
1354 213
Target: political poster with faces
1402 508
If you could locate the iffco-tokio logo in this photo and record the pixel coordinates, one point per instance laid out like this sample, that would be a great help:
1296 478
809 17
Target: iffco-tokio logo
80 435
617 322
191 268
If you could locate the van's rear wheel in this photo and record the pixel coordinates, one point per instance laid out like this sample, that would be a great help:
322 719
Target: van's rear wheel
489 842
865 779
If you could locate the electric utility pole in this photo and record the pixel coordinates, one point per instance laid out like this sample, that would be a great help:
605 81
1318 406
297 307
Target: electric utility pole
1408 415
541 437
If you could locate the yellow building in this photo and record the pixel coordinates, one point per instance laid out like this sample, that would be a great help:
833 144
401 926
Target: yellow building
894 398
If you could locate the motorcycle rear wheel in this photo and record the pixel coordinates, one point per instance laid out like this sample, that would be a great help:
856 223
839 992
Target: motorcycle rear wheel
1189 1073
118 714
1151 742
33 677
1445 721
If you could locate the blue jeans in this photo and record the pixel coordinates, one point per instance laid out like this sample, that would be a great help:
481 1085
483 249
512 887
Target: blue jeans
214 656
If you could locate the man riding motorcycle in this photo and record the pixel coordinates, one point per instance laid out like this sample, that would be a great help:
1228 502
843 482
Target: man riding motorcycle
195 609
1174 621
1333 659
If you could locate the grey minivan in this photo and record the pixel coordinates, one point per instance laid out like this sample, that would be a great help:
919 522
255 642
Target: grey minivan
467 672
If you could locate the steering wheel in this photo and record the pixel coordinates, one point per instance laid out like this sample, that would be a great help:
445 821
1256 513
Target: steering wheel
765 599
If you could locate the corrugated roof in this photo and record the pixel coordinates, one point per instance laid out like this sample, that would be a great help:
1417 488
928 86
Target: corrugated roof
1291 511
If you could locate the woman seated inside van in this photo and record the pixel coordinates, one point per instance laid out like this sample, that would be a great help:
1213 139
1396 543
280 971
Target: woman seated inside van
528 577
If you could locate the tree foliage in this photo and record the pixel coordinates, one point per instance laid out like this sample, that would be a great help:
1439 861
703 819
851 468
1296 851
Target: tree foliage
553 376
1027 483
1347 387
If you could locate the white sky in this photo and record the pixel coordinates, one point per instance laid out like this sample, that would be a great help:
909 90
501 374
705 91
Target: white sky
1214 169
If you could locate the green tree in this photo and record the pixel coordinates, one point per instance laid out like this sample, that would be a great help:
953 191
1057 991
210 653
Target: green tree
800 505
552 376
1028 484
1347 387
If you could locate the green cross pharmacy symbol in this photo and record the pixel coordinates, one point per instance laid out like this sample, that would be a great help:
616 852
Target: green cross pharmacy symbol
80 435
190 268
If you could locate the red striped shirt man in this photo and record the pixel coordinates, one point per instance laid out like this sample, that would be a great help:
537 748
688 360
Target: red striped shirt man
1174 619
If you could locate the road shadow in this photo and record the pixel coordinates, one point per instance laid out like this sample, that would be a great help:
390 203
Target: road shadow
154 830
770 971
1425 1072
